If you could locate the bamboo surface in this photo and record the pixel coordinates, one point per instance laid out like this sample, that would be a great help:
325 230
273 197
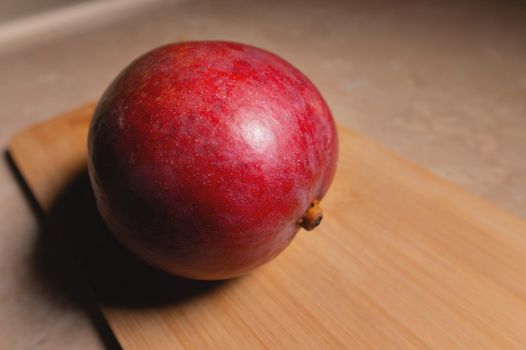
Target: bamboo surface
403 259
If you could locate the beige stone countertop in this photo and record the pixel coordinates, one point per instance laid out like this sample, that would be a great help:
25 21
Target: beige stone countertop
441 82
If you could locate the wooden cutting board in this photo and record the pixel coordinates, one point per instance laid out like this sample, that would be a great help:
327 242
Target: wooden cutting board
402 259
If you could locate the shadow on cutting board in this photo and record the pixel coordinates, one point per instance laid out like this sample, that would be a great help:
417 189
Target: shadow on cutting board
116 278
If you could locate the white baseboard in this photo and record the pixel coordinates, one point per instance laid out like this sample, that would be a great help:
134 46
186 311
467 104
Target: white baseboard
22 32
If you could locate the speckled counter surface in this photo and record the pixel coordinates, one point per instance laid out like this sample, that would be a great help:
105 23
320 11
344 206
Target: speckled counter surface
443 83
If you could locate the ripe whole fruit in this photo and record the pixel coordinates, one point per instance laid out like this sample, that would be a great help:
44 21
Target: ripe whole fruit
207 157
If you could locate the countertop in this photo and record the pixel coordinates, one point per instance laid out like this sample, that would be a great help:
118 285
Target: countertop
442 83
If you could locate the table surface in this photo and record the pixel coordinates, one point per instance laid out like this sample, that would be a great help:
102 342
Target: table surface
441 83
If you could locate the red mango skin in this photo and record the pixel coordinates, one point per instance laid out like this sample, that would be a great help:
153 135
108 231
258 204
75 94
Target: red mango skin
203 157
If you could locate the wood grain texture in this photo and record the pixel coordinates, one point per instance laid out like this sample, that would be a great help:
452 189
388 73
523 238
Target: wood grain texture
403 260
